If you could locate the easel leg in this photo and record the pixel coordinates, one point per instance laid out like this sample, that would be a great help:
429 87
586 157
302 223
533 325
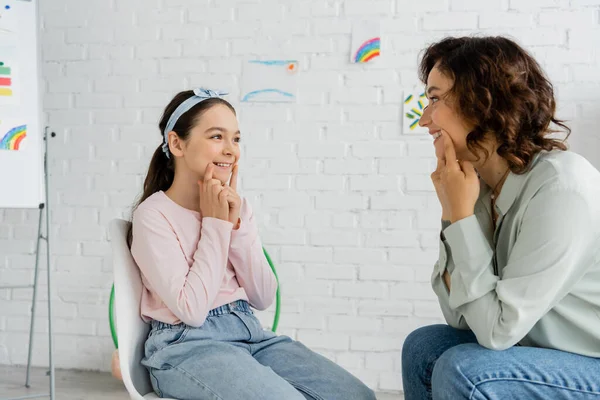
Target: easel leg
48 229
34 300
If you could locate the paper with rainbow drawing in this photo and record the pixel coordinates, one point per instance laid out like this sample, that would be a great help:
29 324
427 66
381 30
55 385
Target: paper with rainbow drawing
12 134
366 42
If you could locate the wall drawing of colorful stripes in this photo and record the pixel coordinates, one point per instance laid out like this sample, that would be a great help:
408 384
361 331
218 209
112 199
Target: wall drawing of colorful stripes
5 80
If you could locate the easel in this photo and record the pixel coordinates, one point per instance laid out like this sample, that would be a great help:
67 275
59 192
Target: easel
40 237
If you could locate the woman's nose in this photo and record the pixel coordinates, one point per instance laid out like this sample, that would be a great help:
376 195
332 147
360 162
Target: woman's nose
425 118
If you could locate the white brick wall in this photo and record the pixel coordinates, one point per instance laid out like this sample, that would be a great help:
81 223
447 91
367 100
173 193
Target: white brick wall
342 194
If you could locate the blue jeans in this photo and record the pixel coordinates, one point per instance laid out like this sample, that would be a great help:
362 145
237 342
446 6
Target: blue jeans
440 362
232 357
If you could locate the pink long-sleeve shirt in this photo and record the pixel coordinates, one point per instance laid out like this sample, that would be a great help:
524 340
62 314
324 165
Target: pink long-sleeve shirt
190 264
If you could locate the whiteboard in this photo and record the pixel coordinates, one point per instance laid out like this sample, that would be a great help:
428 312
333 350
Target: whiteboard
21 130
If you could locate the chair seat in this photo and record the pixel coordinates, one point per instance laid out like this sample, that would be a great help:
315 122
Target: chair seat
154 396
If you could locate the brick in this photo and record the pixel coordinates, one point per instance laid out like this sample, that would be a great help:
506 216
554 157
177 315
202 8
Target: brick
422 6
141 68
349 166
535 4
375 343
341 202
284 236
385 273
98 100
306 254
381 361
63 52
307 289
373 7
450 20
385 307
208 14
373 183
391 381
508 19
322 340
158 50
474 5
360 290
321 150
335 238
343 323
290 219
391 239
379 150
395 201
411 290
257 12
585 18
359 255
351 360
306 321
330 271
355 95
87 36
96 68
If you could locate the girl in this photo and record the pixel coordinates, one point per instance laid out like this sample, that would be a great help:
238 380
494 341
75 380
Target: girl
197 246
519 263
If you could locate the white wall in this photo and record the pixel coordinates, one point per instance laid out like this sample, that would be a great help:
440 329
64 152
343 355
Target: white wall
344 198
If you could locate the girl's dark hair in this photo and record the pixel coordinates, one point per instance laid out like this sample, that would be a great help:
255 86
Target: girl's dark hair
161 171
501 90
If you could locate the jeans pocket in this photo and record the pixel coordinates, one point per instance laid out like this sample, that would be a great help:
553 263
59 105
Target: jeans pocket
163 338
245 328
179 336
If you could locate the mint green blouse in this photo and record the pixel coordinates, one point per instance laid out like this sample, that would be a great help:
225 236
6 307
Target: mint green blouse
535 279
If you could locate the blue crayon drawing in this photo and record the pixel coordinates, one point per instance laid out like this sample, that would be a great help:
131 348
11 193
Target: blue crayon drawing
269 81
255 93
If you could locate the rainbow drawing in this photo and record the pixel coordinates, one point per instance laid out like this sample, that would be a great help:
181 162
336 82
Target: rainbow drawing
368 50
13 138
413 106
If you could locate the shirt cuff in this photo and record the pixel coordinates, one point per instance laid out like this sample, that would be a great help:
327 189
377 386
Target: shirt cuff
216 223
246 229
470 248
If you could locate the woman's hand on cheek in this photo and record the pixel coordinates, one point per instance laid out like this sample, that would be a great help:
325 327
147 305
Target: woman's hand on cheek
436 178
459 183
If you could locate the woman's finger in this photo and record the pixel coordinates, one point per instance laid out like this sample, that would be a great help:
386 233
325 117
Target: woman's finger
449 151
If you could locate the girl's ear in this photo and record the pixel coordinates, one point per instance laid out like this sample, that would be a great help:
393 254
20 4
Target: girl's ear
175 144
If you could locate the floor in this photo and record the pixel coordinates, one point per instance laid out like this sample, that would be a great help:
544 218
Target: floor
76 385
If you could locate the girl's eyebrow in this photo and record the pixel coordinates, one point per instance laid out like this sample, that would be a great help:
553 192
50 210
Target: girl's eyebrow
220 129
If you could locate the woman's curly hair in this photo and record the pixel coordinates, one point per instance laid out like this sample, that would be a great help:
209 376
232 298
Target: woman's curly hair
501 90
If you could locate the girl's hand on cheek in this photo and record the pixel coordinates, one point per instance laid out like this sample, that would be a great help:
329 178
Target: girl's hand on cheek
213 199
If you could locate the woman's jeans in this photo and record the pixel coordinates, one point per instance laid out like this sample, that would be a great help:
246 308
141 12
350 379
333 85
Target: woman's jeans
441 362
232 357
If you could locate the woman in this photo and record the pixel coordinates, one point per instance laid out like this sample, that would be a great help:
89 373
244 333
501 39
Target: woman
519 262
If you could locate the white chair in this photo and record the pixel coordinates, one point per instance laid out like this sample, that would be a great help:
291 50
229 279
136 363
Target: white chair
133 331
